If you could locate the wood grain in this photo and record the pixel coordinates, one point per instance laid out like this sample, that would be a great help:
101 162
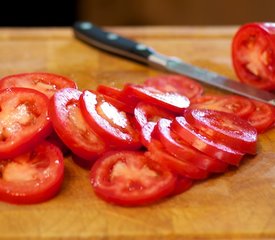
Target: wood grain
236 205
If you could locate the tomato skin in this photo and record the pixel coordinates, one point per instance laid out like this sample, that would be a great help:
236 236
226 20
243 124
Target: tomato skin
182 185
201 142
178 147
71 127
116 129
253 54
171 101
129 178
226 128
47 83
25 179
24 120
176 83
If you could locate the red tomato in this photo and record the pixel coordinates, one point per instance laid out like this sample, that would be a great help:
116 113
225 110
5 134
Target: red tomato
71 127
146 112
226 128
47 83
182 185
253 54
168 100
32 177
146 133
113 125
129 178
226 103
203 143
176 83
24 120
177 164
263 116
178 147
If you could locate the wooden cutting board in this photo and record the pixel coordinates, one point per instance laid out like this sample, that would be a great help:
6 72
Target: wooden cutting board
236 205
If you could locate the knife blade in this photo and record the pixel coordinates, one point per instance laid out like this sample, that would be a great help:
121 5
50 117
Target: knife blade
119 45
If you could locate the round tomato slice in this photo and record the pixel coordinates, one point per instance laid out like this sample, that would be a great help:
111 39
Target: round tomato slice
146 133
176 83
169 100
32 177
225 103
178 147
182 185
113 125
263 116
226 128
178 165
146 112
253 54
24 120
204 143
47 83
129 178
72 128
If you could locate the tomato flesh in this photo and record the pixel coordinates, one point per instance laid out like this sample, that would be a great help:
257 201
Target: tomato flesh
32 177
129 178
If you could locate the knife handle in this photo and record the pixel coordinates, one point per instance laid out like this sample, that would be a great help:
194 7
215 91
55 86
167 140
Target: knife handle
112 42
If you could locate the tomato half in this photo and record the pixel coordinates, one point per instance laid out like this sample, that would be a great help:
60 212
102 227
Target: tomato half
129 178
24 120
47 83
204 143
168 100
178 147
238 105
226 128
72 128
263 116
146 112
113 125
32 177
253 54
176 83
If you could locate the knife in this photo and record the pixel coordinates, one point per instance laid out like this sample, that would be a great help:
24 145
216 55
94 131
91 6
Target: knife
113 43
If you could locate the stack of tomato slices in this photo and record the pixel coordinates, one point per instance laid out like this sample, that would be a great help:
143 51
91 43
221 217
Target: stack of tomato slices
142 143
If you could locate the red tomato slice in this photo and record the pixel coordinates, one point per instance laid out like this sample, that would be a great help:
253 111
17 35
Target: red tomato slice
146 133
203 143
182 185
178 147
178 165
168 100
32 177
113 125
176 83
226 103
146 112
253 54
129 178
24 120
47 83
226 128
263 117
72 128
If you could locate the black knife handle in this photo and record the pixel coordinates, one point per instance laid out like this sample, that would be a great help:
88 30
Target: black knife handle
112 42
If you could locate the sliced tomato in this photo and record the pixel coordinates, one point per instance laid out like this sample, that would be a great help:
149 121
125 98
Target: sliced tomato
263 117
146 133
168 100
225 128
146 112
113 125
204 143
32 177
253 54
47 83
182 185
179 166
226 103
179 148
72 128
176 83
24 120
129 178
